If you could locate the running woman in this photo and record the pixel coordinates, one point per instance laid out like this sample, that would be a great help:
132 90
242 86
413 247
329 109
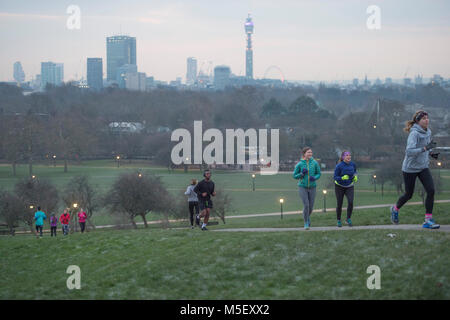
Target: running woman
307 171
39 217
419 146
345 176
204 190
193 203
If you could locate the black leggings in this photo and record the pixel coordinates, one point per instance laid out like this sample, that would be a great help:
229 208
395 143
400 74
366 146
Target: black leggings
82 226
192 205
349 193
410 181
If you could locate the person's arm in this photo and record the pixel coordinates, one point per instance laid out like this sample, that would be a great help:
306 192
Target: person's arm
188 191
318 173
297 174
337 174
411 145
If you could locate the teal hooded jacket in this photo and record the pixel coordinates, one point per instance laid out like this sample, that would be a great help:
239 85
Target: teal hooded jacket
313 170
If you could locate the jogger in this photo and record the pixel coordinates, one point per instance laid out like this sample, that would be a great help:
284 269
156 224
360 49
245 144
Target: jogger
193 203
65 219
415 165
53 225
204 190
307 171
345 176
39 217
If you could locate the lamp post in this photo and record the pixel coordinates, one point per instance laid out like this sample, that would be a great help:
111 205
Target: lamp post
374 183
140 175
185 165
324 200
439 168
33 177
54 160
281 207
253 182
118 161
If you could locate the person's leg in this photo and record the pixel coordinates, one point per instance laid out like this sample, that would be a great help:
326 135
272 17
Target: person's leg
197 218
339 191
303 192
350 193
427 181
312 198
191 213
410 182
40 230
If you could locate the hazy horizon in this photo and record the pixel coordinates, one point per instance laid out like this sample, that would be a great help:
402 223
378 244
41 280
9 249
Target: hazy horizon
308 40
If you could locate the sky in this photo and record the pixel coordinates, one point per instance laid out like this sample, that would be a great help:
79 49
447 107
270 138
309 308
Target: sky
308 40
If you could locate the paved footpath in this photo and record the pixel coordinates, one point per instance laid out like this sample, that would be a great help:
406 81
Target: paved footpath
417 227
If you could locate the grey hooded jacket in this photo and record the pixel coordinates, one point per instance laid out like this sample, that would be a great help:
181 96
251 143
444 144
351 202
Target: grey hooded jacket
191 193
416 158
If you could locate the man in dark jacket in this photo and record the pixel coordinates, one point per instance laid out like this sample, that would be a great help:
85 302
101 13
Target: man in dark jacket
204 190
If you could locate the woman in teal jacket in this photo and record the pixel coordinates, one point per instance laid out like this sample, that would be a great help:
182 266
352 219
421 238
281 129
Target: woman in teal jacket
307 171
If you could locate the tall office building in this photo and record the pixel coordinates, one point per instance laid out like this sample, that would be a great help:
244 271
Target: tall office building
95 73
123 72
52 73
221 77
19 75
120 50
191 74
249 51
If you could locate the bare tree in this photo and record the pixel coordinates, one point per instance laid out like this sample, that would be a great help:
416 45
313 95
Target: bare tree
80 191
34 192
136 194
11 209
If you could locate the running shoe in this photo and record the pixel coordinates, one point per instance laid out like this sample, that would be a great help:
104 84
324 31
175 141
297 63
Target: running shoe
204 229
349 222
394 215
339 224
306 226
430 224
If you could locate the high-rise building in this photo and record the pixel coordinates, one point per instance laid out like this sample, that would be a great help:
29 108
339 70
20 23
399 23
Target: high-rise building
135 81
191 74
221 76
52 73
120 50
123 72
95 73
19 75
249 50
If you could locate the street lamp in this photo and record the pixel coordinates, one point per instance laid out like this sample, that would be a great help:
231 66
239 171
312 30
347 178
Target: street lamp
118 161
253 181
54 160
185 165
281 207
33 177
140 175
439 168
375 183
324 200
75 205
31 207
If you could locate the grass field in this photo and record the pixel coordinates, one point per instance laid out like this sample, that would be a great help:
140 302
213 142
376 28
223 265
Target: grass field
191 264
269 189
180 263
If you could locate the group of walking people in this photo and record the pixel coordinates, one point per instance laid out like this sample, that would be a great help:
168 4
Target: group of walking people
415 165
64 218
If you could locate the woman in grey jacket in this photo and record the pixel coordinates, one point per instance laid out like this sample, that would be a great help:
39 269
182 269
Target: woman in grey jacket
193 203
415 164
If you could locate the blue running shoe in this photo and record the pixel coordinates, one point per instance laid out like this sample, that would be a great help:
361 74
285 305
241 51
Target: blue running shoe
339 224
349 222
306 226
394 216
430 224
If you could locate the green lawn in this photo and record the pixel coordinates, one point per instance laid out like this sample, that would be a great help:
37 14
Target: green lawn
191 264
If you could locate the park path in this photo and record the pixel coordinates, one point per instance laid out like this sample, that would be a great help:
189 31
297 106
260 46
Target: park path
416 227
289 213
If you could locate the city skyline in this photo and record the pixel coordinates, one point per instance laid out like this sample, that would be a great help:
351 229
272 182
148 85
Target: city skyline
307 40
